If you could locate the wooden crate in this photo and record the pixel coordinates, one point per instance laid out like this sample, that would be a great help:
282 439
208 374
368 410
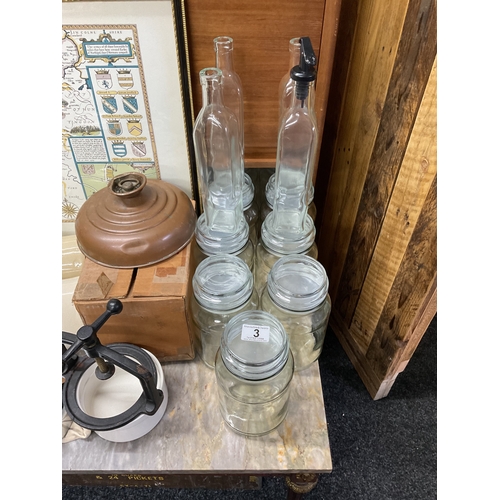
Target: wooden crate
376 185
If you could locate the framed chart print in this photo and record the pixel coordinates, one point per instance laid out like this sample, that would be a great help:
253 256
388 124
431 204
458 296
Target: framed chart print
126 97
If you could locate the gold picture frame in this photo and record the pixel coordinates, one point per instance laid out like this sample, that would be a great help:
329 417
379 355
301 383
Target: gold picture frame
127 99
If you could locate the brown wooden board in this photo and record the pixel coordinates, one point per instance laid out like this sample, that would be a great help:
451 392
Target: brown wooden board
261 31
408 196
348 17
415 277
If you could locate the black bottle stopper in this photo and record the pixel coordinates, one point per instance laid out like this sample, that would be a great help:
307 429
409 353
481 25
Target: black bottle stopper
304 72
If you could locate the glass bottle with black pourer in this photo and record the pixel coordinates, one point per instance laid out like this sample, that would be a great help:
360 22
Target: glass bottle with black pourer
288 229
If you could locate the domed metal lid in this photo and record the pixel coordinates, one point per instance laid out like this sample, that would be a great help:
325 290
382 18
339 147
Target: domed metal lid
134 222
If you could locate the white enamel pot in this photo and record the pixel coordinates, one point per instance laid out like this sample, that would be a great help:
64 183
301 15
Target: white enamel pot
104 399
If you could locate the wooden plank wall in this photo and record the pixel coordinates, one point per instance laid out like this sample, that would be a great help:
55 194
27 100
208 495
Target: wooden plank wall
376 184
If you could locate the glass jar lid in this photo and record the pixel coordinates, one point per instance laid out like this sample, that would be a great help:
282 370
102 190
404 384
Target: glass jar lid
216 242
297 283
134 222
222 282
254 345
287 244
248 192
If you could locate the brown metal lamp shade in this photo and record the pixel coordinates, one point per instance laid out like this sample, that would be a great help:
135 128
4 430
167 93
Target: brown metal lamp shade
134 222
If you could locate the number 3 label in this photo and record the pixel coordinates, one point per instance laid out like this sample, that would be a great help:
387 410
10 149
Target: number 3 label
255 333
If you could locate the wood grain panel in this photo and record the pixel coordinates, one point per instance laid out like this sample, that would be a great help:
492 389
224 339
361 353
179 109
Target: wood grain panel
261 30
327 50
375 45
416 276
348 19
414 60
412 186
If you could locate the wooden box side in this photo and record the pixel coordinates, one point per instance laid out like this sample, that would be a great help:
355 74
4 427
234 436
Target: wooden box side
169 278
158 325
98 282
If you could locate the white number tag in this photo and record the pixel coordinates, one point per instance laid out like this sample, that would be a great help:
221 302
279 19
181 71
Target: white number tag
255 333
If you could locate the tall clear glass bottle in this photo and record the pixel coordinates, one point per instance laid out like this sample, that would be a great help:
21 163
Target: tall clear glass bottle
297 145
222 227
232 90
218 157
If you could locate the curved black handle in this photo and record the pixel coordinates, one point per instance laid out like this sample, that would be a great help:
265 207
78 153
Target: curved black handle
86 337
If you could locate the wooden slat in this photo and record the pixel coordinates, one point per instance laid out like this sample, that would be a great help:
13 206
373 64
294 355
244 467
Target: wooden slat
412 186
409 296
348 19
415 57
425 315
375 46
323 80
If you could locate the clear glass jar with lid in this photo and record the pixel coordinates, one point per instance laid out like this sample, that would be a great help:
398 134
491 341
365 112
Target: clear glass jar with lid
222 288
254 367
297 295
250 208
207 243
267 253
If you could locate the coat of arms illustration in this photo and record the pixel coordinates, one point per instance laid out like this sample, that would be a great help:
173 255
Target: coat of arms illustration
115 127
119 149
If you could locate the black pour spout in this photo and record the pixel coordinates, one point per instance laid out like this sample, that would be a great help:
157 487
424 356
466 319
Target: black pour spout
304 73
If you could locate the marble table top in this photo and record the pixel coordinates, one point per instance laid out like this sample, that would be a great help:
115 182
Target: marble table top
193 438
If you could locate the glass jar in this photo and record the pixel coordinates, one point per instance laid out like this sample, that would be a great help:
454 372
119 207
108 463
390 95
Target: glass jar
266 257
297 295
254 368
250 209
207 243
269 200
222 288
